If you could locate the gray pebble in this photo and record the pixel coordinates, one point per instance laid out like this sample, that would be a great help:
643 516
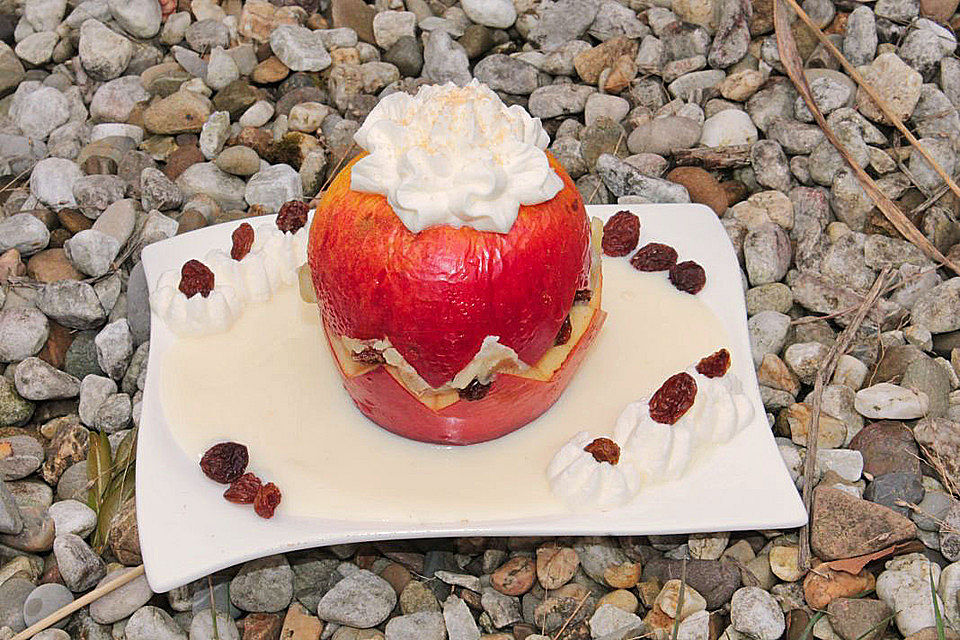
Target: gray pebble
80 567
44 600
263 585
361 600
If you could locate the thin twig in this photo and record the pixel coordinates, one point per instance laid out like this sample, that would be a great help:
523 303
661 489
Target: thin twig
79 603
825 373
567 622
870 91
902 283
793 65
683 587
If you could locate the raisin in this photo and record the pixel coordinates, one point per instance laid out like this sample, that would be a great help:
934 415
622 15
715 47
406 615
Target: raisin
242 241
292 216
621 234
582 295
195 277
267 500
243 490
476 390
715 365
225 462
688 276
563 336
369 356
604 450
673 399
654 257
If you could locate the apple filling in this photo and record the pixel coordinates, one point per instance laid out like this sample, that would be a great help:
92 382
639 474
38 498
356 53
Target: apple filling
357 357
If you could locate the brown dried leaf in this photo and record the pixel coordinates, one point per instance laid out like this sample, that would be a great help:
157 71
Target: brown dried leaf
856 565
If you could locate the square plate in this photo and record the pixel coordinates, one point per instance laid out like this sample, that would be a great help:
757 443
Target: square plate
187 531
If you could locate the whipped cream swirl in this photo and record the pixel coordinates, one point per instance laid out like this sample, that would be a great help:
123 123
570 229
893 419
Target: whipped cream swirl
650 451
272 263
585 484
454 156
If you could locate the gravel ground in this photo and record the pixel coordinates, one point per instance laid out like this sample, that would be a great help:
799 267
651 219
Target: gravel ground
125 122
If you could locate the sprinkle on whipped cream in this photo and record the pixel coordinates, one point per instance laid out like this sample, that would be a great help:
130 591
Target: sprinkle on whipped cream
454 156
272 263
650 452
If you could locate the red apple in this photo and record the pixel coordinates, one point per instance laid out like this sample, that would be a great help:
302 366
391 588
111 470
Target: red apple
435 295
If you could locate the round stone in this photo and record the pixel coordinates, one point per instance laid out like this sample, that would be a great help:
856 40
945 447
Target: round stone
44 600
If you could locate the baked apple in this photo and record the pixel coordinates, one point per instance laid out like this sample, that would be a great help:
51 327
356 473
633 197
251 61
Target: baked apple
454 268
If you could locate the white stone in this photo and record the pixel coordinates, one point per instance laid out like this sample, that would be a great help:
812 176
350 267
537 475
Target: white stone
221 69
497 14
52 182
257 114
390 26
603 104
44 15
850 372
139 18
37 48
299 48
120 603
272 186
104 53
91 252
695 627
609 619
905 587
846 463
114 100
887 401
214 134
307 116
71 516
729 127
40 112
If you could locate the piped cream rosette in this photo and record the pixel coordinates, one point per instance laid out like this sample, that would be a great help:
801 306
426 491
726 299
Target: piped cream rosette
650 451
272 263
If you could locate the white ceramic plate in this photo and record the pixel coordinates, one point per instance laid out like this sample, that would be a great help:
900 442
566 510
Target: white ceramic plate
188 530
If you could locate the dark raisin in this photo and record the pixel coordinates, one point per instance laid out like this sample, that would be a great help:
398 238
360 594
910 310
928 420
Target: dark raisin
476 390
604 450
243 490
654 257
242 241
292 216
673 398
267 500
225 462
582 296
195 277
715 365
688 276
621 234
563 335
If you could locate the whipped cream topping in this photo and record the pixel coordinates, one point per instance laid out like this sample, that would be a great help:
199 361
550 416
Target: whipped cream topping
650 451
454 156
583 483
197 315
272 263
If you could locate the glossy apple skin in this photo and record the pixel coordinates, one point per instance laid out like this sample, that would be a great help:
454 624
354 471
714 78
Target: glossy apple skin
438 293
511 402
